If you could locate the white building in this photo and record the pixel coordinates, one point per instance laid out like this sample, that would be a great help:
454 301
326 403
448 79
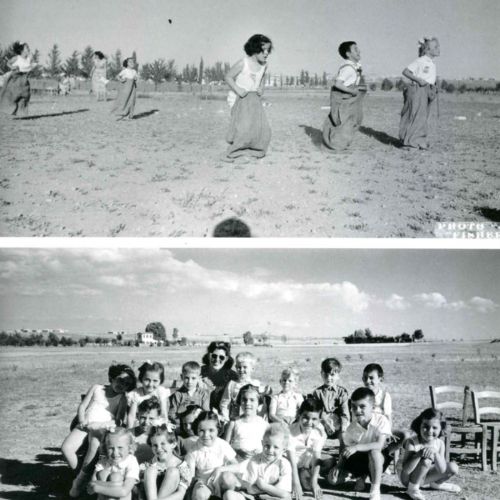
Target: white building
146 338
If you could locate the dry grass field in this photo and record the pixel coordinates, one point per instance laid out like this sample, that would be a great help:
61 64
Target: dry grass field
71 170
41 388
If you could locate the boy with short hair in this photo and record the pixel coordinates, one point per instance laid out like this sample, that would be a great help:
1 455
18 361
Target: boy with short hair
148 414
373 378
334 399
192 392
347 92
365 452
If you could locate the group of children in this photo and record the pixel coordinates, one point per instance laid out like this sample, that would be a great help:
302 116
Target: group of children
171 446
249 132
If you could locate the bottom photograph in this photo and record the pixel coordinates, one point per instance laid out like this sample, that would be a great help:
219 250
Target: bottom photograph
238 374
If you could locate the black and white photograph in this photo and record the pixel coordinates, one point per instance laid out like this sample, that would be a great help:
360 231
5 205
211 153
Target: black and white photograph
270 118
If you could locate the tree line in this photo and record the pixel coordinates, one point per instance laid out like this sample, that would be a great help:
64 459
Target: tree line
367 337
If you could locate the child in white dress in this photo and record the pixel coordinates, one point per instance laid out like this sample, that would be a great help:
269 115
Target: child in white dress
285 405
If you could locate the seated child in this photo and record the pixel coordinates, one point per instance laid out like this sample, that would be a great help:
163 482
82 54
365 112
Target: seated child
365 452
151 376
187 437
149 415
285 405
334 399
117 472
192 392
267 473
304 450
245 364
422 461
164 476
245 433
209 453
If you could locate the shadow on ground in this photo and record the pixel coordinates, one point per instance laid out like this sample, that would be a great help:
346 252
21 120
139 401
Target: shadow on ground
315 134
380 136
50 115
145 114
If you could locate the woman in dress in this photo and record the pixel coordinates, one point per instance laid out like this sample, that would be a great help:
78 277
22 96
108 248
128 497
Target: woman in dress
127 93
216 370
98 76
16 89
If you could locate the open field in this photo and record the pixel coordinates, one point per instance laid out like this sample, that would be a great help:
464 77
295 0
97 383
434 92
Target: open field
41 388
71 170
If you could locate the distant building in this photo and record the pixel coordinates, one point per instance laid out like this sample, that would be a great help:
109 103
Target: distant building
146 338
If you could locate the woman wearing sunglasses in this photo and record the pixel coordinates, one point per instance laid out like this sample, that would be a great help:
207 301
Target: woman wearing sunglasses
217 370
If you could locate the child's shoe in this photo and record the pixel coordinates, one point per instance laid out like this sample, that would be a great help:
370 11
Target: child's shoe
414 492
449 487
337 476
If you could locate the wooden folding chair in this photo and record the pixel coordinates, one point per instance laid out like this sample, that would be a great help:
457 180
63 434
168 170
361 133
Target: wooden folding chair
447 398
480 409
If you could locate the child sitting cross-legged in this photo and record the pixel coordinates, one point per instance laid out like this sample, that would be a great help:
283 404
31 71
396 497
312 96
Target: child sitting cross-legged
365 452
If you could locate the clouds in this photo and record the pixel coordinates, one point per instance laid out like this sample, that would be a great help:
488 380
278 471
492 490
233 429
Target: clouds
436 300
397 303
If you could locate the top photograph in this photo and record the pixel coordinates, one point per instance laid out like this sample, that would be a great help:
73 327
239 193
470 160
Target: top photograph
266 119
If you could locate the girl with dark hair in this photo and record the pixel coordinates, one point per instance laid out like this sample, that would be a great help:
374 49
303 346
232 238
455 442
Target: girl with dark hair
249 132
217 371
127 93
98 76
16 89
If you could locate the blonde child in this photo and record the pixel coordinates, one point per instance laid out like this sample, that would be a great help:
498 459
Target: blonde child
334 399
346 100
422 461
127 93
186 434
365 452
245 365
117 472
267 473
192 392
209 453
249 132
103 407
246 432
419 95
151 377
306 442
284 406
164 478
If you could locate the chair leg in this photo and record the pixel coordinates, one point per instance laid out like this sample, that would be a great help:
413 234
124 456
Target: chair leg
484 448
494 447
447 444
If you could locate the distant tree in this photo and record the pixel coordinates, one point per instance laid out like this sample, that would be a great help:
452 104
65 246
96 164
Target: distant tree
36 72
405 337
292 81
368 333
201 70
158 71
265 337
87 61
72 65
183 341
53 67
175 334
418 335
373 86
400 84
284 339
5 55
302 78
450 88
170 72
157 329
248 338
359 334
145 71
387 84
116 65
324 79
134 58
82 342
52 339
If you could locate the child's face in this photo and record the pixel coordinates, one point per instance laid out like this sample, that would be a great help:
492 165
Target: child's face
161 447
273 447
119 384
190 379
207 432
26 51
372 381
244 368
309 420
332 378
151 381
264 53
362 410
249 403
288 383
433 48
354 53
117 448
430 429
147 418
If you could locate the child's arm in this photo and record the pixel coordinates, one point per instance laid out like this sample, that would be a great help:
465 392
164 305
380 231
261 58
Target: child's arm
121 411
110 489
229 432
344 413
315 465
224 403
438 456
164 405
374 445
388 406
173 405
339 85
231 75
410 75
82 407
132 414
296 486
273 406
270 489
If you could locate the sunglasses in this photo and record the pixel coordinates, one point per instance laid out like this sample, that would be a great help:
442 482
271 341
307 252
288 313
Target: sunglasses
219 357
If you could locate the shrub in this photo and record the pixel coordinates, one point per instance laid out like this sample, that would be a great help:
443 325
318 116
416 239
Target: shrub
387 84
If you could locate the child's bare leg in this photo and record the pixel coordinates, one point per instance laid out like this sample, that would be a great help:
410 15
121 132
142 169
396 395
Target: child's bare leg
305 478
376 466
170 483
113 478
201 492
150 488
94 443
232 495
420 472
437 480
228 482
70 446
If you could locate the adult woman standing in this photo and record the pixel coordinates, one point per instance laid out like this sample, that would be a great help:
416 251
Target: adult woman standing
98 76
217 370
16 89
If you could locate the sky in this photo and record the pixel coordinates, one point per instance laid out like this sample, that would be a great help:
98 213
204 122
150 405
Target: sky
295 292
305 33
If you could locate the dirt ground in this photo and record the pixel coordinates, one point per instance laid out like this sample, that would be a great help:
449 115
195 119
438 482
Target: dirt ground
72 170
41 388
